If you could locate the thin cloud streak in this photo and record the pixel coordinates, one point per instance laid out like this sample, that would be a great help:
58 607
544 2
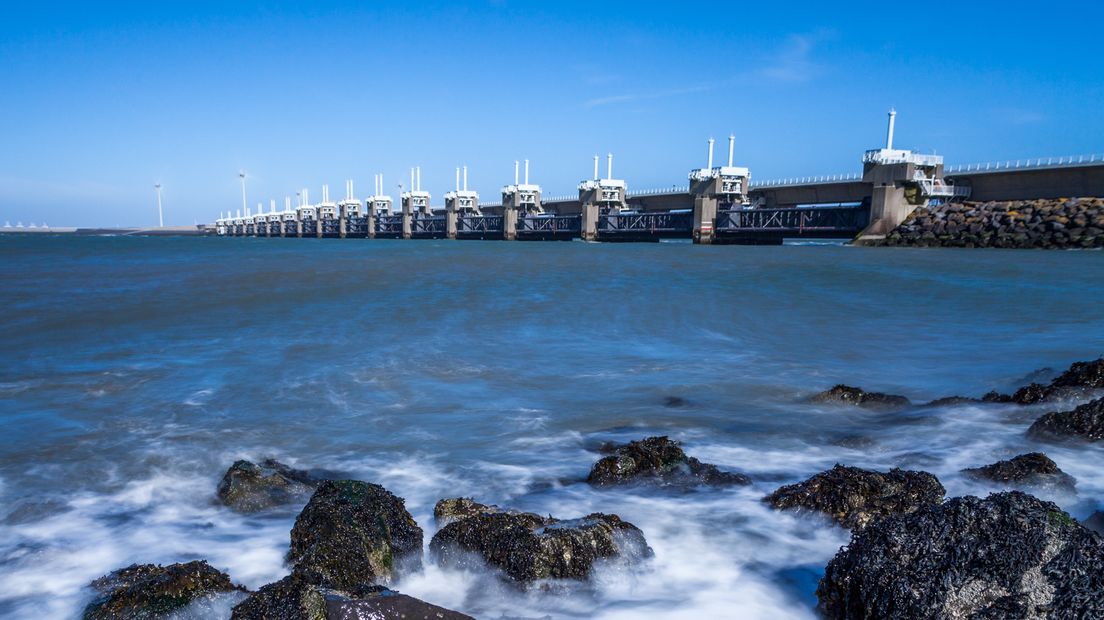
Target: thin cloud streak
633 97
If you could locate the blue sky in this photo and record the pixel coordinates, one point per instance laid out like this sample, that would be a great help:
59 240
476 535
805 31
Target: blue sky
102 102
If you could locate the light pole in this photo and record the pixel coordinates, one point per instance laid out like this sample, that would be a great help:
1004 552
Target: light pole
160 213
242 176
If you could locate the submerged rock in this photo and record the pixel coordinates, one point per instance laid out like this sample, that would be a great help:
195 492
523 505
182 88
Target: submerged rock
1080 379
1034 469
295 598
250 487
150 590
996 397
658 460
354 533
1085 422
847 395
854 497
1008 556
947 401
528 547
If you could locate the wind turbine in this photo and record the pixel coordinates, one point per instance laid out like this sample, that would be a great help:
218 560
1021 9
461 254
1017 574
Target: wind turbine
160 213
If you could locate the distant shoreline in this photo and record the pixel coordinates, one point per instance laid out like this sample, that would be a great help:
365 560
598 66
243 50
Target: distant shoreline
166 231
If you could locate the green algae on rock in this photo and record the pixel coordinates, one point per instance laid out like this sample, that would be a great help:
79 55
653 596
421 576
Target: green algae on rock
855 497
143 591
352 534
658 460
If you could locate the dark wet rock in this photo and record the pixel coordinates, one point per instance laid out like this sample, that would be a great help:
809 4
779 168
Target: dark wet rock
354 533
250 487
1030 394
1007 556
658 460
847 395
1088 375
528 547
448 510
1095 522
1085 422
1034 469
675 402
996 397
150 590
855 497
295 598
949 401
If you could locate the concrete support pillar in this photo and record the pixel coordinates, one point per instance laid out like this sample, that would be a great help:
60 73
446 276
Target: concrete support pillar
318 227
705 215
342 226
509 224
588 226
888 209
450 221
407 222
299 228
283 229
372 222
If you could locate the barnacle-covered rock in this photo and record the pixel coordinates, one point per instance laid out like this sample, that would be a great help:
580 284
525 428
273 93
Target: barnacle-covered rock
1084 422
848 395
296 598
1007 556
854 497
1034 469
251 487
527 547
143 591
354 533
661 461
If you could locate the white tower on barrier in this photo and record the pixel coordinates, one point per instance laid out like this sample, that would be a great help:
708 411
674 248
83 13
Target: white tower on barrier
241 175
462 200
600 197
380 201
415 200
524 197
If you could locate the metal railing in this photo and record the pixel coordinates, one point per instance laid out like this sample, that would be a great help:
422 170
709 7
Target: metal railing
814 180
1071 161
563 198
674 189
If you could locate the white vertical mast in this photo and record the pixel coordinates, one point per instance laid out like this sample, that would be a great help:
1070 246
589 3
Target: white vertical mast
527 172
731 143
160 213
609 166
709 163
516 162
889 132
465 178
595 167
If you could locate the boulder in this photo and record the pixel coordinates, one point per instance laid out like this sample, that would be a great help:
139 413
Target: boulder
295 598
354 533
151 590
855 497
448 510
527 547
658 460
1085 422
847 395
1080 379
250 487
1034 469
1030 394
1007 556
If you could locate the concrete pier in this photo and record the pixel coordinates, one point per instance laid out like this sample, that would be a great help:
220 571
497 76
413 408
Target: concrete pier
598 197
517 200
716 188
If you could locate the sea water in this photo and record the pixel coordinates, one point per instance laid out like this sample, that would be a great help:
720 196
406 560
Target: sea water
134 371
